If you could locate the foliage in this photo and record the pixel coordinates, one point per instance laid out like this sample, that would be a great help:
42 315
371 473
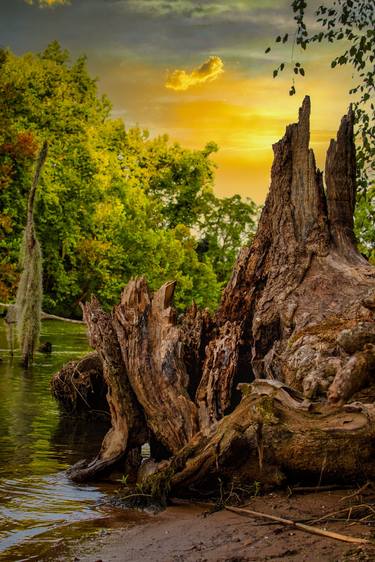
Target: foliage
224 227
350 23
112 202
365 223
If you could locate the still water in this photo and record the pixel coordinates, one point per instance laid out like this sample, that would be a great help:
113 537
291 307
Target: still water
38 504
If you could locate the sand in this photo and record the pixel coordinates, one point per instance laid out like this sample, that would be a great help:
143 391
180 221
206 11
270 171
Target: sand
188 532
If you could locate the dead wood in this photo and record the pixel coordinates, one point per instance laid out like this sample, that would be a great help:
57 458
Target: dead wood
79 386
128 430
152 352
296 321
301 526
274 435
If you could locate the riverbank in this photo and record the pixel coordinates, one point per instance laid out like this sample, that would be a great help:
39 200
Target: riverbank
188 532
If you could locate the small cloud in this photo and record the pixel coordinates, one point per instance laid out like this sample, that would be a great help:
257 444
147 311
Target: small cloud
180 80
48 3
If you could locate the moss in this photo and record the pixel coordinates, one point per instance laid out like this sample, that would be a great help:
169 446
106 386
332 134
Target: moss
326 330
266 411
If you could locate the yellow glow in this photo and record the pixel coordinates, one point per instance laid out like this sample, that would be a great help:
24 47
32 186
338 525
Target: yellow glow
46 3
244 115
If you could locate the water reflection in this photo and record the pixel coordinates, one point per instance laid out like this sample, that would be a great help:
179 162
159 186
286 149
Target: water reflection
37 445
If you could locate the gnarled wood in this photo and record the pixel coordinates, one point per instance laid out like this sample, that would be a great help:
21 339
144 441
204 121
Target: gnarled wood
274 434
128 429
297 316
79 386
152 352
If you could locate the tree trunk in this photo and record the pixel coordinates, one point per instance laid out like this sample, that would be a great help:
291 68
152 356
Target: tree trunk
298 311
128 431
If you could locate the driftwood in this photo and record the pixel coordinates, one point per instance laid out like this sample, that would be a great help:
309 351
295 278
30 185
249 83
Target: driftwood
80 388
294 331
301 526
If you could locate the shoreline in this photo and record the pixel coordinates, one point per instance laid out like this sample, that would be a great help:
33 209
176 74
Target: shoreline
189 532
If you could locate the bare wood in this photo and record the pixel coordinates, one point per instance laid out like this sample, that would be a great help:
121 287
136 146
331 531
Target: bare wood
295 317
46 316
150 344
128 430
38 169
289 435
79 386
301 526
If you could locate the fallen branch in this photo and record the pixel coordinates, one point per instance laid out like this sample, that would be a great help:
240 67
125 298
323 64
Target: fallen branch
46 316
357 492
301 526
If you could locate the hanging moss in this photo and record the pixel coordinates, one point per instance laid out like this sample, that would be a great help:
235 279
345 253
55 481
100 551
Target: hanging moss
30 288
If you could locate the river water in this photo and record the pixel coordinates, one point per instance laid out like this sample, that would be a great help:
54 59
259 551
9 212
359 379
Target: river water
39 506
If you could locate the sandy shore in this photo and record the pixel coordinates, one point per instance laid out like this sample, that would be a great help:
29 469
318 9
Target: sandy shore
187 532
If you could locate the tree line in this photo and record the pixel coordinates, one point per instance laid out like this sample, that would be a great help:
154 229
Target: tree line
112 203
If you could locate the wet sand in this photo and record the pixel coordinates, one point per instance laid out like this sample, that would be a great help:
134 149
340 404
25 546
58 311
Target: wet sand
187 532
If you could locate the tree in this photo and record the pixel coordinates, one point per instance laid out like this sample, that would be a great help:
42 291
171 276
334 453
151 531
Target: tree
350 23
225 225
113 203
30 288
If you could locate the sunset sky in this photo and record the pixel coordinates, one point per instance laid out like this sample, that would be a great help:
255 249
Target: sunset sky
195 70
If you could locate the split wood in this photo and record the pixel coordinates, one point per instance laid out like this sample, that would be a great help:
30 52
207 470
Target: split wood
301 526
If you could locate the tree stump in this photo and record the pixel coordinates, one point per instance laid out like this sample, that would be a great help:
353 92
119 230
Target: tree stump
295 326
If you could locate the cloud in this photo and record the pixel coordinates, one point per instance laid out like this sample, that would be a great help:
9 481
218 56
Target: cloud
48 3
180 80
196 8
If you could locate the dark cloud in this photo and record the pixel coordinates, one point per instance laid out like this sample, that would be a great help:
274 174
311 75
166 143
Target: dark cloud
167 32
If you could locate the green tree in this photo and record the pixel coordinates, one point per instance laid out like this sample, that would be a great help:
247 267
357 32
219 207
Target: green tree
112 203
225 225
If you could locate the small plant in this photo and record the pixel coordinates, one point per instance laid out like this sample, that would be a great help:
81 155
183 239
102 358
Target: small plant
124 480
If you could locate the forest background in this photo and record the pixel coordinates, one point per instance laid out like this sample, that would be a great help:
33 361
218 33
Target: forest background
113 203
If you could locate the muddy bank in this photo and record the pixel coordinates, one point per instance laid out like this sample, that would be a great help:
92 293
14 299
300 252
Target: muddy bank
186 532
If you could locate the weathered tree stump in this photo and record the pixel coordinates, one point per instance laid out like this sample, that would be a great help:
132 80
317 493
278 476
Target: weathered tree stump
296 324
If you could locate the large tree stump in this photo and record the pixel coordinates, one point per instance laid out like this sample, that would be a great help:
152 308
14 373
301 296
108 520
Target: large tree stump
298 311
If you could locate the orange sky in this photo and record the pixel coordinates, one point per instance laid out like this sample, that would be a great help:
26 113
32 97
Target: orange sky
195 70
243 114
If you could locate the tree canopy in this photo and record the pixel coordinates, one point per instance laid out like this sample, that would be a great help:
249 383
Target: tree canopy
113 203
